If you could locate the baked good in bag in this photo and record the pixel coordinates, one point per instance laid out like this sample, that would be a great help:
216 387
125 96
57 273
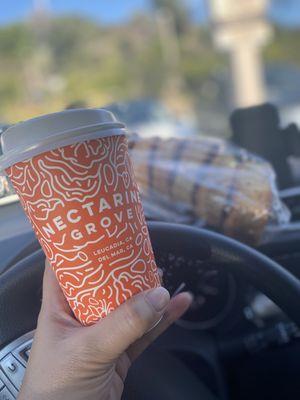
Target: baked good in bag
224 186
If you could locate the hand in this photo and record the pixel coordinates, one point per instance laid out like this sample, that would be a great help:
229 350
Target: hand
72 362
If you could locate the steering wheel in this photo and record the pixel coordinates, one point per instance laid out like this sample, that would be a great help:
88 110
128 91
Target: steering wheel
20 288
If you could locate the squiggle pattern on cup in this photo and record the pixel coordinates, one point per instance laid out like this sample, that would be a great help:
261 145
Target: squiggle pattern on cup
98 268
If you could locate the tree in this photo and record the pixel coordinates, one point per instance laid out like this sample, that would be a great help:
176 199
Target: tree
178 10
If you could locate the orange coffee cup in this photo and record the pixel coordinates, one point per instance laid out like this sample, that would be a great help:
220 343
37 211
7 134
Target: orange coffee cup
74 177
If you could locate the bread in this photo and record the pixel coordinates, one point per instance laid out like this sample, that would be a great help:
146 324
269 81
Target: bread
224 186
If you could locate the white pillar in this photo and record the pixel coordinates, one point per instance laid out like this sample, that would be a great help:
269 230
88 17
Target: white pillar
240 28
247 75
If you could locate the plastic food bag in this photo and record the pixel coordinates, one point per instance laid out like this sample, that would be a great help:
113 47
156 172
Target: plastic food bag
207 182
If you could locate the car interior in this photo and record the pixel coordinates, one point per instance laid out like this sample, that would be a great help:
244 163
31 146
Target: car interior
241 337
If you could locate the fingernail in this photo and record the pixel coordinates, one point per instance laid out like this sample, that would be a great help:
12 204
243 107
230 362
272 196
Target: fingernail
158 298
191 294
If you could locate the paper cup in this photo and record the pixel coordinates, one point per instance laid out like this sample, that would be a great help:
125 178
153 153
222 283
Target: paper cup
84 205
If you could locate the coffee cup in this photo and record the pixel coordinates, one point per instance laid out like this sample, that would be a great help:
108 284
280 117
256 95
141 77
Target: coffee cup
75 180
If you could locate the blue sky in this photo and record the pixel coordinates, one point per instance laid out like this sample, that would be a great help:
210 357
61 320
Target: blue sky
113 11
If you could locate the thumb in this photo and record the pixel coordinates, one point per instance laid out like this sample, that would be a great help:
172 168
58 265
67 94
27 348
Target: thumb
130 321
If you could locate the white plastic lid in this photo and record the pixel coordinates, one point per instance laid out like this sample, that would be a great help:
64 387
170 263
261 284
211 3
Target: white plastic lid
35 136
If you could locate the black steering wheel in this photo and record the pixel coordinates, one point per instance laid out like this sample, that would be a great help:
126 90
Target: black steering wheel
20 285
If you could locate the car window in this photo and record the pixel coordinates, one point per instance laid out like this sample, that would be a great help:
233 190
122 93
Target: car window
166 68
158 60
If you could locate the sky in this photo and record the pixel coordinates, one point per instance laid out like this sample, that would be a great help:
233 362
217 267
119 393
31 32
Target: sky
286 12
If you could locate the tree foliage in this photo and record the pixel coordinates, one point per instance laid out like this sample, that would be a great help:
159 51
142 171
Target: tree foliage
44 66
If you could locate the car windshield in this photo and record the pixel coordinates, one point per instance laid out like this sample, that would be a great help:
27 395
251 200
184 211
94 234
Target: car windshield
151 61
208 90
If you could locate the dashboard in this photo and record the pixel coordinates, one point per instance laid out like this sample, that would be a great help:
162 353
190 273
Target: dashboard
222 301
215 290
